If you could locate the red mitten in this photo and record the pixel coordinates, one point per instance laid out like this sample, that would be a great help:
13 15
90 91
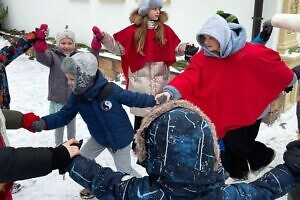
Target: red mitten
97 33
41 34
28 119
96 42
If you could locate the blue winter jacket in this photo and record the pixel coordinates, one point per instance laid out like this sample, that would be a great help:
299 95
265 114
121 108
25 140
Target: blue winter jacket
106 119
180 159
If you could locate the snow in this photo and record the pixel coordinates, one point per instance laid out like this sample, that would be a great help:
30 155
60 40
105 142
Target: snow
28 87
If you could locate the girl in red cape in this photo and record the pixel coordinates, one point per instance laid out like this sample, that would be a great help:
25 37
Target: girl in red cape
147 48
233 82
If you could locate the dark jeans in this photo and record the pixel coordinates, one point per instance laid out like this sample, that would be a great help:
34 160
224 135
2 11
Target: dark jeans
241 149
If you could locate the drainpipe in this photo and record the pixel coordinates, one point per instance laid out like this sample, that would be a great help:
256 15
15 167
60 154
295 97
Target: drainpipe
257 17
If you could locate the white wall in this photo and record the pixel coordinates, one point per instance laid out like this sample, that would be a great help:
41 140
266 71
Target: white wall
185 16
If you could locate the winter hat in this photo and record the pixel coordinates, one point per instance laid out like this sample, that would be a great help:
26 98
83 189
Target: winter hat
286 21
230 18
146 5
84 67
177 143
65 34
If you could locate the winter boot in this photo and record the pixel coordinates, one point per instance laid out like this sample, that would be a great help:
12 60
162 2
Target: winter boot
86 194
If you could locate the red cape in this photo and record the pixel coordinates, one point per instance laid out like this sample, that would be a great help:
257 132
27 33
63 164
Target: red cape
234 91
153 51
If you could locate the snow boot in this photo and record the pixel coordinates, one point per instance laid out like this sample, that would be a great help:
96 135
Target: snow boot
86 194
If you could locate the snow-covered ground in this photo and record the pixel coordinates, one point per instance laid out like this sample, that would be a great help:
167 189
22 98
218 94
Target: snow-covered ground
28 87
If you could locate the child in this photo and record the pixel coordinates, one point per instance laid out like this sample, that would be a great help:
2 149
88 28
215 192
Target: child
99 103
224 79
7 55
12 120
29 162
177 145
147 48
58 90
291 22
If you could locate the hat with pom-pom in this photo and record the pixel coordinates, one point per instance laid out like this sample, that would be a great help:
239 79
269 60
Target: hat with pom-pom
65 34
230 18
146 5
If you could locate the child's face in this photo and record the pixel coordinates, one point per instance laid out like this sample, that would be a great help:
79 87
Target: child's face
70 80
210 43
154 14
66 46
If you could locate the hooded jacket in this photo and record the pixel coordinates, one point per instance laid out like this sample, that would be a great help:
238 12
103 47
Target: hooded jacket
106 119
226 85
177 145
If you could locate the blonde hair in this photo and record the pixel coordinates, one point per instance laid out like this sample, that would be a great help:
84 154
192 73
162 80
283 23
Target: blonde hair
141 32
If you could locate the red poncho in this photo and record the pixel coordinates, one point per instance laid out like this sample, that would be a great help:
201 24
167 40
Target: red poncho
154 52
234 91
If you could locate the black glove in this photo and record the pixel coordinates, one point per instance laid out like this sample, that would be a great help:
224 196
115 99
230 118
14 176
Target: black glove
190 50
291 158
297 71
38 126
288 89
266 31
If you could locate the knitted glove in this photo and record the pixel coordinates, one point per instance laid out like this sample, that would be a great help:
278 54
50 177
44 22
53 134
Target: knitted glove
38 126
297 71
190 50
266 31
41 34
96 42
291 158
28 119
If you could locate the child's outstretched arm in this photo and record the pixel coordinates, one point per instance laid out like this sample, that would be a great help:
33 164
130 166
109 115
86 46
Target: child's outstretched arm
28 162
15 119
9 53
44 57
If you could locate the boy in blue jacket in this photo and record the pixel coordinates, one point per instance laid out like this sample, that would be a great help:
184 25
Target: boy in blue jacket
99 103
177 145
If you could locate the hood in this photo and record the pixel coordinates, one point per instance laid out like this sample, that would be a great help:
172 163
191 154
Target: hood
231 36
84 67
177 145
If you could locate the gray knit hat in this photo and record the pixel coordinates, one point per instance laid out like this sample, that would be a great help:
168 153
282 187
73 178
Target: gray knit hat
146 5
84 67
65 34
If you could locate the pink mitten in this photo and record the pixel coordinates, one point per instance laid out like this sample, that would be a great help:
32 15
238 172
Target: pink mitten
98 34
96 42
41 34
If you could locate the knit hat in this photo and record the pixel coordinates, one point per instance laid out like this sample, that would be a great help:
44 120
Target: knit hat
84 67
65 34
230 18
146 5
